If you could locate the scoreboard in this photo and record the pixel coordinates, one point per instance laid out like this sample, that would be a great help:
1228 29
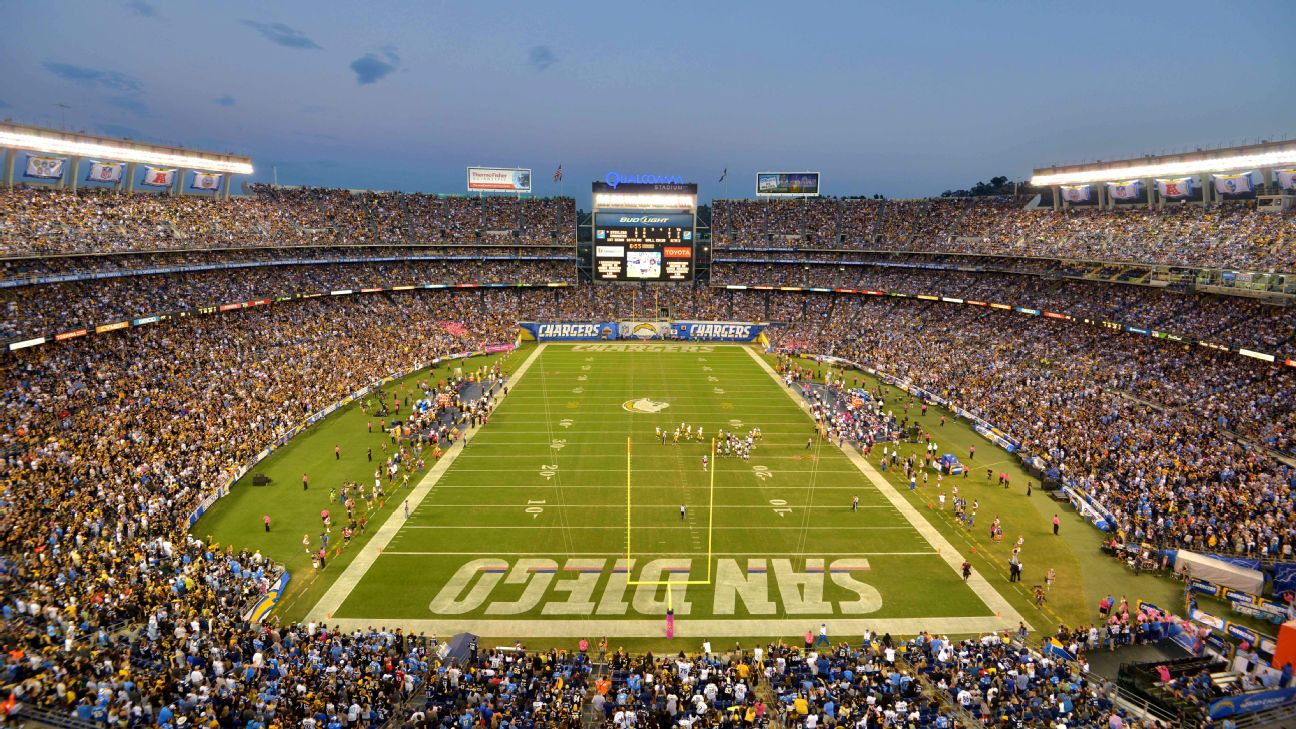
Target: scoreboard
642 232
643 246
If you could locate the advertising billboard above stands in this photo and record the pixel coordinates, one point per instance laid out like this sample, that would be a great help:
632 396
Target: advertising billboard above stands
644 228
499 179
787 184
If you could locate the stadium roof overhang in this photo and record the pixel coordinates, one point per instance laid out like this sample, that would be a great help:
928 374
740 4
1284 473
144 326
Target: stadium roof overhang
1229 159
56 142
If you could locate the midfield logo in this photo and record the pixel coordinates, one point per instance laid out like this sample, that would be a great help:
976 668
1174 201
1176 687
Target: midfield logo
644 405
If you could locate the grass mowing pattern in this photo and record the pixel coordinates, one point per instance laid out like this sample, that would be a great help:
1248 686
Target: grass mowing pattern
545 481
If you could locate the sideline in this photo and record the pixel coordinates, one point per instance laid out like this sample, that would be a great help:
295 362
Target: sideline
707 628
346 582
1005 612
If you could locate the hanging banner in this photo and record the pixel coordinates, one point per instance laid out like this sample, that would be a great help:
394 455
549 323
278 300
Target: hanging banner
1287 179
155 177
1175 187
1233 184
1077 193
105 172
717 331
1284 581
207 180
47 168
1251 702
1128 190
531 331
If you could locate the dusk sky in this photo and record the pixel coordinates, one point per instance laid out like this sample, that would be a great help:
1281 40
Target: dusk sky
902 98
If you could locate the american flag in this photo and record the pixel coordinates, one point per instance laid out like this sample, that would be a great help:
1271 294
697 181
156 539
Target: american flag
558 174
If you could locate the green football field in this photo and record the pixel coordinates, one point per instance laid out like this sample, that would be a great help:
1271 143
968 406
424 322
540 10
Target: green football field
562 517
524 533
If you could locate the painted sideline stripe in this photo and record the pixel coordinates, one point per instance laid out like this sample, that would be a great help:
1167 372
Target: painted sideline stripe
668 527
762 628
621 555
644 470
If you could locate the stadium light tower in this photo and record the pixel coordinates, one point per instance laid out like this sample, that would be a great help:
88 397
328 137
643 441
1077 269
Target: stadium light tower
1263 157
68 149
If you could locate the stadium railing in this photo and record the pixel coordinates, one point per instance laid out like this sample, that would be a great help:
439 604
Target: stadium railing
27 713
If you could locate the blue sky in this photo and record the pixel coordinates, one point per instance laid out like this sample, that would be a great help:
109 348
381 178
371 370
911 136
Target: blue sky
902 98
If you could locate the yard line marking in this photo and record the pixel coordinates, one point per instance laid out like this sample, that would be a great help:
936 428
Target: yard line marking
472 469
612 487
675 527
347 581
1006 613
614 554
765 507
586 456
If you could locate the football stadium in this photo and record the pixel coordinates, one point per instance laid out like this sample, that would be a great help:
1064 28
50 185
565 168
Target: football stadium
445 402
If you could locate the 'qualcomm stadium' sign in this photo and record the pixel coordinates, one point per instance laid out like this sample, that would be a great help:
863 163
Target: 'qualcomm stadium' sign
615 178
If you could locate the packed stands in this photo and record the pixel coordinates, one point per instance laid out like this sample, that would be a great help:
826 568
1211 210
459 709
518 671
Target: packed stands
1231 235
116 613
40 221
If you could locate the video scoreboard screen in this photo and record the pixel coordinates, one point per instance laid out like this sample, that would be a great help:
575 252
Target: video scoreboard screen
643 232
643 246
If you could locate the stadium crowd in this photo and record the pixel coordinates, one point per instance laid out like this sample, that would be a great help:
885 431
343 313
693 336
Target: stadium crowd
57 307
1140 426
42 221
115 613
109 448
28 310
1232 234
1054 388
1230 321
36 221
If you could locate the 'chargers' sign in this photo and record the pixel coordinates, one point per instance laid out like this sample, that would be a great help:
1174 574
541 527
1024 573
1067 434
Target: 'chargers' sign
717 331
1251 702
574 331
